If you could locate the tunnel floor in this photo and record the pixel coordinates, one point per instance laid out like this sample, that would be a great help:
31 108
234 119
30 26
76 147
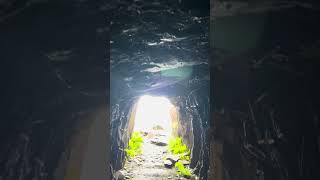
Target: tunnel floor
150 164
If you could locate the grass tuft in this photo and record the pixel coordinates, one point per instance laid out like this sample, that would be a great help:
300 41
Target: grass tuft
183 170
134 147
177 147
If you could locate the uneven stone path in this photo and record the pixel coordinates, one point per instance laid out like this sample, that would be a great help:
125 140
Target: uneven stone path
150 164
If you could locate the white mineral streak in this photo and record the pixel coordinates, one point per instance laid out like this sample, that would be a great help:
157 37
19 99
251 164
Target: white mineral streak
171 65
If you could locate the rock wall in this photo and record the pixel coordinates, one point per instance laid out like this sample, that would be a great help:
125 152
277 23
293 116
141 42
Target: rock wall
265 94
193 125
52 77
161 48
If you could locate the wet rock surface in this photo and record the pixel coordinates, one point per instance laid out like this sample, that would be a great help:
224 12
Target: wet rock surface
161 48
266 91
52 77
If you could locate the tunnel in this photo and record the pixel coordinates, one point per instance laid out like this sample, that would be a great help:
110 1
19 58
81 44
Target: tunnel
189 115
155 55
188 118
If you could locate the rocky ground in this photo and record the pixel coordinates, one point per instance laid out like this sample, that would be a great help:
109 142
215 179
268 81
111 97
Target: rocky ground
151 164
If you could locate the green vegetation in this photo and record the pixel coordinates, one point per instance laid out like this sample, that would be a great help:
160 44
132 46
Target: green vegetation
135 143
177 147
185 157
183 170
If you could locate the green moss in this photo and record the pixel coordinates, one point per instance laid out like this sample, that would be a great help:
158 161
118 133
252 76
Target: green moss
135 143
183 170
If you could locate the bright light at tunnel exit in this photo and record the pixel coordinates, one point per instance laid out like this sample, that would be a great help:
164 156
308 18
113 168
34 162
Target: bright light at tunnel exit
153 112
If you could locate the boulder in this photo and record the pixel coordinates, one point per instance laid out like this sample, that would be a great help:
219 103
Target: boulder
119 175
168 164
157 127
184 162
173 158
159 142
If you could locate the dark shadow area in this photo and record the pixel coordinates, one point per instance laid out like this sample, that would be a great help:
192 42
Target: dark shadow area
54 82
265 73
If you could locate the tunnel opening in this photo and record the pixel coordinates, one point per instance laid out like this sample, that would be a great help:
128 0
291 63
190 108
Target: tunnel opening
141 110
153 116
155 136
